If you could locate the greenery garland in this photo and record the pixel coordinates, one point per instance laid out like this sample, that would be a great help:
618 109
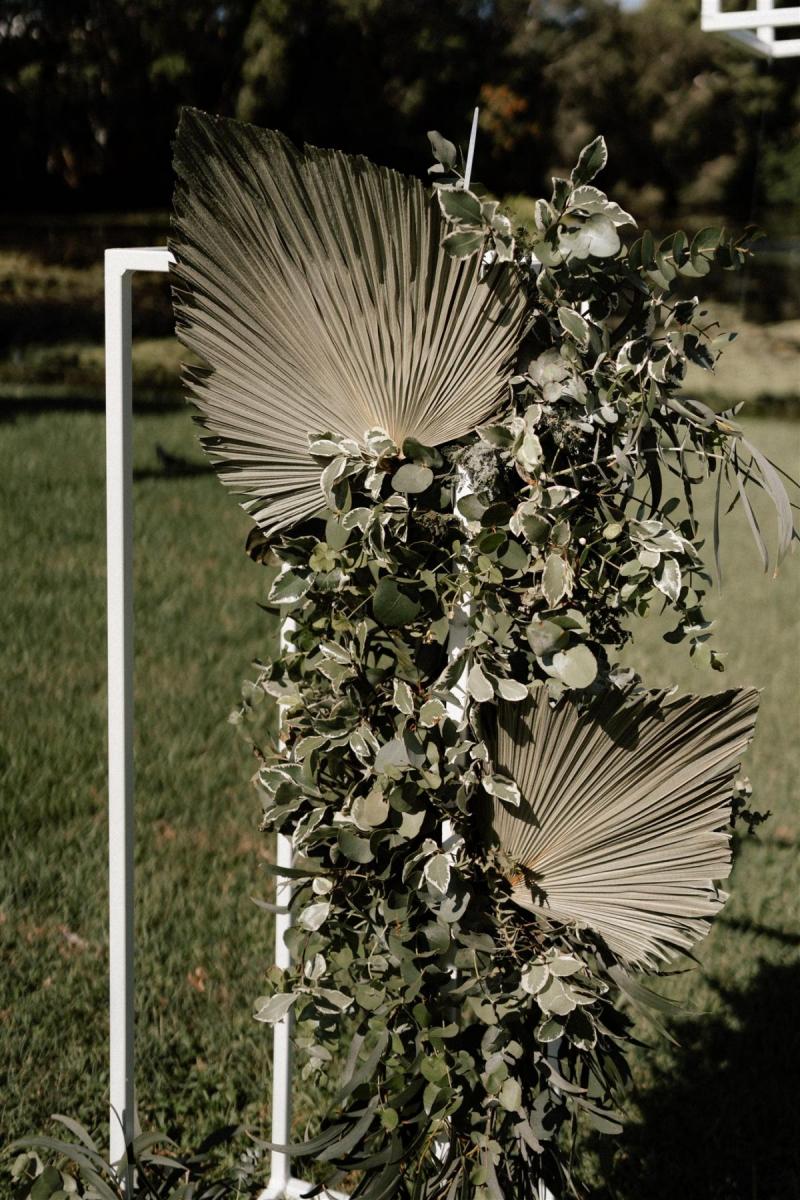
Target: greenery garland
445 580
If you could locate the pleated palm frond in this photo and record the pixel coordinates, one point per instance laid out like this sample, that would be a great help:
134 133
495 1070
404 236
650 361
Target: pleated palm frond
620 824
313 285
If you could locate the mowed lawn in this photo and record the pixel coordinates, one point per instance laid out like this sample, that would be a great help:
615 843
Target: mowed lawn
714 1117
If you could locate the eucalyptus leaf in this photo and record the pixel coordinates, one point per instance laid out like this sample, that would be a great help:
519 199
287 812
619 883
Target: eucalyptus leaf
370 811
499 436
511 689
276 1007
563 965
412 478
503 788
529 453
478 685
288 588
314 915
391 606
391 754
443 150
546 636
403 697
510 1095
534 978
669 581
357 849
577 666
574 324
431 712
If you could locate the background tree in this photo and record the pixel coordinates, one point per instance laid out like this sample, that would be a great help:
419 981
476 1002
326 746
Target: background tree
91 91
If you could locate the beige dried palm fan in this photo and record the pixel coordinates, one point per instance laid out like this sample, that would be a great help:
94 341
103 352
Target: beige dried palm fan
313 286
620 823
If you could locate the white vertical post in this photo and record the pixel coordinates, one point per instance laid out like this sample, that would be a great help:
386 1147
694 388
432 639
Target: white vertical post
282 1184
119 560
120 264
280 1163
457 637
471 150
766 33
119 268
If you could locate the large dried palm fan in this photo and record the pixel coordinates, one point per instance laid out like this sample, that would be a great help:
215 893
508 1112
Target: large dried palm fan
313 285
620 824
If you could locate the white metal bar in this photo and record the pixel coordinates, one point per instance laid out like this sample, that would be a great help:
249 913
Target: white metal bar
471 150
119 267
280 1164
765 32
764 17
282 1185
754 28
119 534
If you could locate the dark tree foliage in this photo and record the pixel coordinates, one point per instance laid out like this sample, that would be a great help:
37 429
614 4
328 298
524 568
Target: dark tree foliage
90 89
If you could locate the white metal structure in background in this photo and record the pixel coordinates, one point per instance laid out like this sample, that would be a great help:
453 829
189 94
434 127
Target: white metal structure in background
755 27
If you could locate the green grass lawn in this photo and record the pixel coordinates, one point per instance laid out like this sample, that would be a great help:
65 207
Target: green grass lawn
202 944
712 1118
715 1117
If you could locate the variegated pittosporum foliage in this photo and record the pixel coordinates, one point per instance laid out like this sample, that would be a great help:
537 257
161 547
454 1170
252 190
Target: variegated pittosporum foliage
478 1024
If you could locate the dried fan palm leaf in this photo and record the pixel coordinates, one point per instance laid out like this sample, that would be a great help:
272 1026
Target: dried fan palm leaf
620 824
313 285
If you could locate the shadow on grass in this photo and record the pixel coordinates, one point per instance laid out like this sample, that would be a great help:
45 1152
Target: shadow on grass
719 1116
171 466
766 931
13 407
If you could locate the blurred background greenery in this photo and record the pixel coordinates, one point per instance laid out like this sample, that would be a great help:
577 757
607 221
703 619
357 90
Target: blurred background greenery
91 91
698 132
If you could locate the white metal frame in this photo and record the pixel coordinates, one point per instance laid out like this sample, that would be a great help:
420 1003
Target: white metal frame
754 27
119 268
120 265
